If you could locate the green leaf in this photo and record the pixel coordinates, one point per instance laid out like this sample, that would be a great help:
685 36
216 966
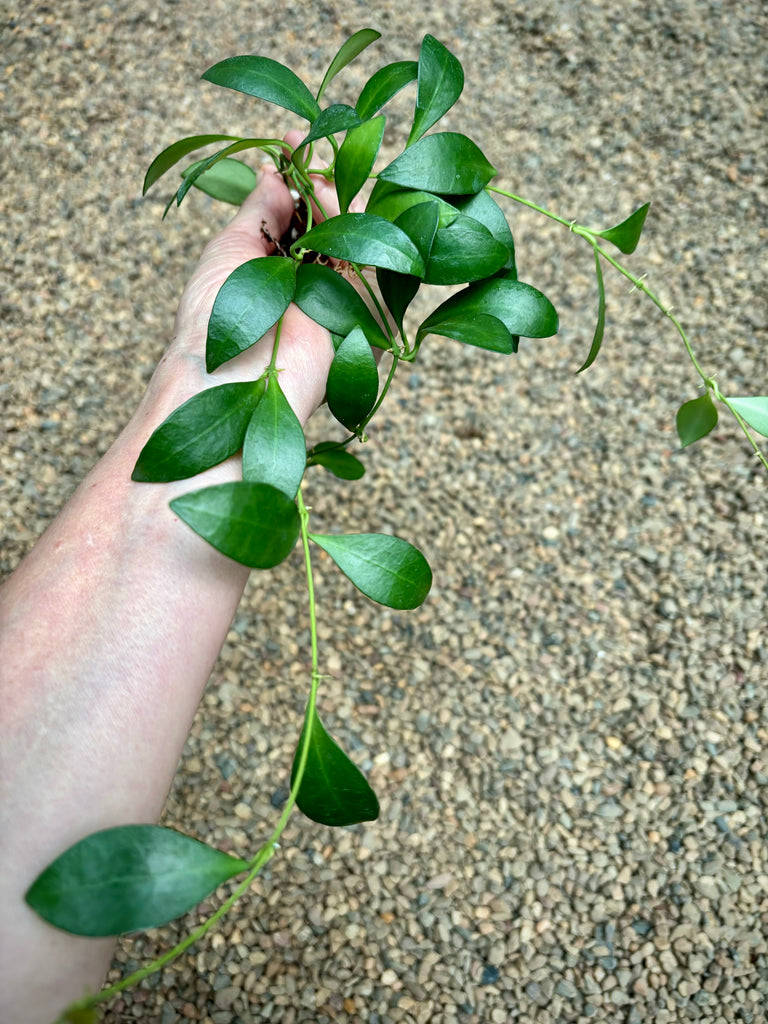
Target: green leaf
464 251
386 569
347 53
353 380
201 433
522 309
253 523
203 166
626 235
266 79
336 460
390 202
251 300
483 207
356 158
365 239
383 85
479 329
441 79
331 301
229 180
333 790
695 419
337 118
446 162
173 153
597 338
754 411
128 878
274 450
420 224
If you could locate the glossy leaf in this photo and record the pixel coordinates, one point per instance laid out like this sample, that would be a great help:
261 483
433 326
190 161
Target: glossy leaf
356 158
365 239
173 153
201 433
229 180
446 162
597 338
337 118
386 569
398 290
383 85
479 329
333 790
128 878
464 251
251 300
695 419
483 207
347 53
391 201
440 81
336 460
626 235
274 450
353 380
521 308
754 412
253 523
266 79
331 301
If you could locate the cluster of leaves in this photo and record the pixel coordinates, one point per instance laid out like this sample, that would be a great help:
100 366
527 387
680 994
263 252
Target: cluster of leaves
430 219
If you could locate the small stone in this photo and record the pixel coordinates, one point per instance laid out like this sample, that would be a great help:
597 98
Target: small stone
243 811
708 887
490 975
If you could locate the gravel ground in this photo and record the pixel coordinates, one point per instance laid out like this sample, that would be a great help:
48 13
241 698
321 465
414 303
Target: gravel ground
569 738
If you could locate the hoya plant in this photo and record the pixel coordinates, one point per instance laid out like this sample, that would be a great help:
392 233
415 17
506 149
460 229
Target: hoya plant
433 219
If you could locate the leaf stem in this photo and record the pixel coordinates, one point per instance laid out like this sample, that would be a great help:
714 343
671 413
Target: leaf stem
641 286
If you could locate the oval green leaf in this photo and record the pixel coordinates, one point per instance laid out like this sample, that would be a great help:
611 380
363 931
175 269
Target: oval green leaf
479 329
483 207
128 878
356 158
266 79
203 167
386 569
336 460
201 433
173 153
229 180
521 308
333 790
754 412
626 235
255 524
695 419
383 85
347 53
464 251
446 162
440 81
251 300
365 239
274 450
353 380
337 118
331 301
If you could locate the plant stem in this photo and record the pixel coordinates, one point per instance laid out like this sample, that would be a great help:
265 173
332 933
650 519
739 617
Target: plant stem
268 849
641 286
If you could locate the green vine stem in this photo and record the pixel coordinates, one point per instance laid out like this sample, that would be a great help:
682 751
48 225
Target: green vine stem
639 283
256 864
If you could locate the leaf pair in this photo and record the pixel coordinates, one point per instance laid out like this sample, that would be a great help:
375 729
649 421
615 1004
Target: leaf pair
697 418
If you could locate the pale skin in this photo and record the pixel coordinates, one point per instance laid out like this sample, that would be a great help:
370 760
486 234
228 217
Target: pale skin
111 625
